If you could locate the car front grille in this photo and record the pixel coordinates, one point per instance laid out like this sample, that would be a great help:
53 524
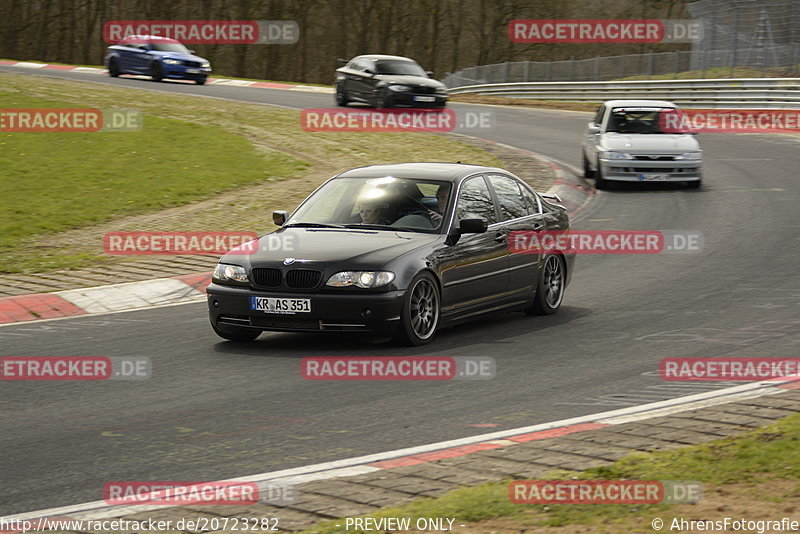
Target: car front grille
303 278
189 63
266 277
655 158
291 321
423 90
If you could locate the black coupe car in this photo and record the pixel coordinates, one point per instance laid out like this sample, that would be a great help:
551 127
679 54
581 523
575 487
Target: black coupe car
387 81
396 250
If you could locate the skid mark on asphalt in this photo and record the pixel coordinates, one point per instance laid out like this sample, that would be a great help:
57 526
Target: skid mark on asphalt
648 394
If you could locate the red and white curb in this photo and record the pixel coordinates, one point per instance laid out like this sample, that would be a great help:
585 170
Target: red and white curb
210 81
98 510
104 299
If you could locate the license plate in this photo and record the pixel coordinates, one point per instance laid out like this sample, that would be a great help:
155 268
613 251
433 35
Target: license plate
653 177
193 71
425 98
280 305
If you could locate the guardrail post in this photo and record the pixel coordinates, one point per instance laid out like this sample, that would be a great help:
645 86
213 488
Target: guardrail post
650 66
525 70
597 68
505 72
547 70
677 55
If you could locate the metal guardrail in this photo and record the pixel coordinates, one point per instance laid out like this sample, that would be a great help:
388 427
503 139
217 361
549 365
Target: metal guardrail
742 93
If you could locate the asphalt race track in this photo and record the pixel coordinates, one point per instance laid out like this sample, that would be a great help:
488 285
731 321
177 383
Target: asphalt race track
218 409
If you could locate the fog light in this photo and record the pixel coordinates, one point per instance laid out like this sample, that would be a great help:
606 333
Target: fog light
216 303
366 313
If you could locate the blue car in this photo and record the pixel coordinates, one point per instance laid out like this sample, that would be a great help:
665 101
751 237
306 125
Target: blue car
157 57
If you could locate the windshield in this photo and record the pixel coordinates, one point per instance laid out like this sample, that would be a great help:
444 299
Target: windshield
382 202
170 47
408 68
637 120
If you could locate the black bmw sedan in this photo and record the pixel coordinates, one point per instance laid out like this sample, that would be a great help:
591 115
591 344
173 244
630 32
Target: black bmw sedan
394 250
387 81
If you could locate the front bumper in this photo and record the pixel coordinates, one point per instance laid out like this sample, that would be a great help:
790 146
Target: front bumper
627 170
411 99
330 312
182 72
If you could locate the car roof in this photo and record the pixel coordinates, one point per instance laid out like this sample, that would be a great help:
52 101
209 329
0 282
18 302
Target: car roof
640 103
448 172
378 57
149 38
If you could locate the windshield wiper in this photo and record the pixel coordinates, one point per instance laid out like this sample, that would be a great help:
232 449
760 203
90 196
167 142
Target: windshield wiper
369 226
312 225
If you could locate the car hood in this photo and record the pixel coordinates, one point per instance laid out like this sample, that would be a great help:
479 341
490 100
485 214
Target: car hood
419 81
175 55
648 143
322 247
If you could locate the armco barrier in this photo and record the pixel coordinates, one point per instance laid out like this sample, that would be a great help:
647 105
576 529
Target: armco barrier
741 93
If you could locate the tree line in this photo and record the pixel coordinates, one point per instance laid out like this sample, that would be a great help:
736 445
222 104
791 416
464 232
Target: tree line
443 35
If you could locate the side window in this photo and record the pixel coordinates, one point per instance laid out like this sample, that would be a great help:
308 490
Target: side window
598 119
475 201
531 201
509 194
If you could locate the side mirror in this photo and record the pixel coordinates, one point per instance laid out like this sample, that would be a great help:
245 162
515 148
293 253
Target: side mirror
343 61
369 71
191 51
279 217
465 226
429 73
472 226
593 129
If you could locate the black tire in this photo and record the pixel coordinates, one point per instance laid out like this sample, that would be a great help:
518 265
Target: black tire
113 68
232 333
201 81
696 184
421 311
550 289
156 72
587 172
341 97
380 100
599 181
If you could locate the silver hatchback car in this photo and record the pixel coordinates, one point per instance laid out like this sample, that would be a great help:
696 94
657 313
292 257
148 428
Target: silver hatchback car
626 142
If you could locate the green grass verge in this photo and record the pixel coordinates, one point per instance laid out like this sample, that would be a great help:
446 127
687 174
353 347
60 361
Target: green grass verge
58 181
770 452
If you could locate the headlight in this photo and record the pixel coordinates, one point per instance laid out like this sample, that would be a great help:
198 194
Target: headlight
688 155
230 273
441 90
399 88
172 62
617 155
206 65
365 279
